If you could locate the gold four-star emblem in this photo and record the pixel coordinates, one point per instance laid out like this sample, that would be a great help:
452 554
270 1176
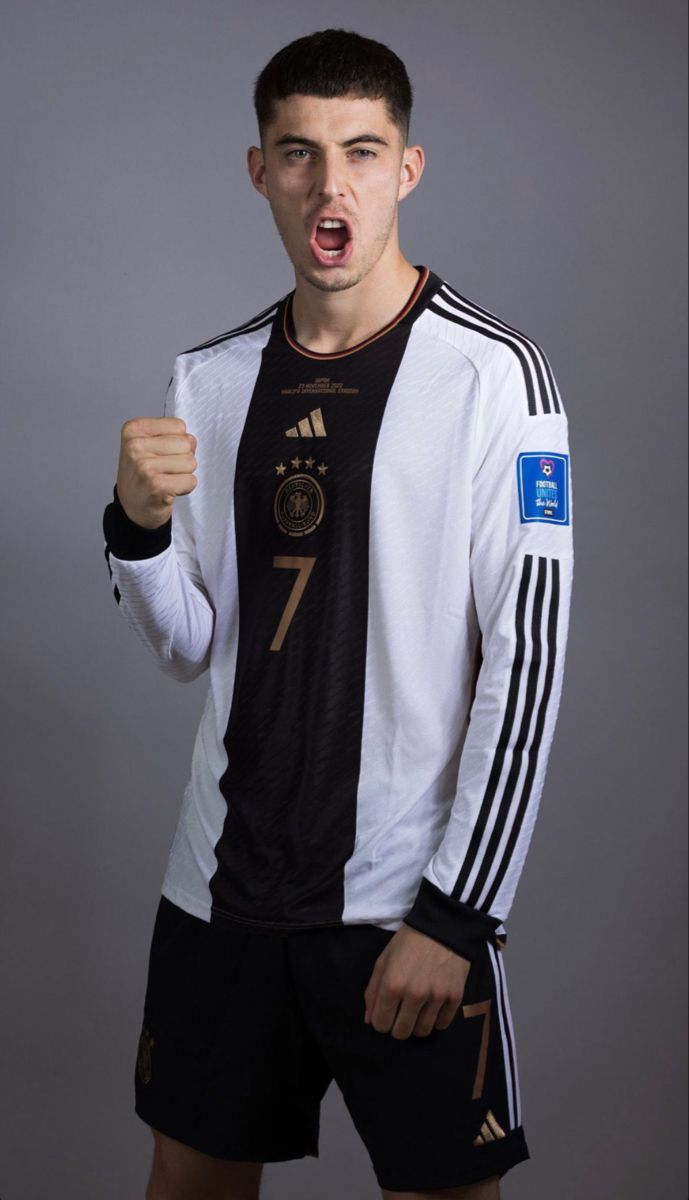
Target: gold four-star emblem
296 463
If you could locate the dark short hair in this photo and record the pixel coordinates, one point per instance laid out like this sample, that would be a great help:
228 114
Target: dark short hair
335 62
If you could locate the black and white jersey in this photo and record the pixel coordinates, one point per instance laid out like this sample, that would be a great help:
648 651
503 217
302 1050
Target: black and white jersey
375 569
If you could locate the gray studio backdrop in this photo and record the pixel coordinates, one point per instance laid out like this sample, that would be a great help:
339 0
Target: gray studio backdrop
554 195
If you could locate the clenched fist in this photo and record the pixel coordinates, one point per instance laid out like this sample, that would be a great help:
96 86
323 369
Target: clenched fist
156 464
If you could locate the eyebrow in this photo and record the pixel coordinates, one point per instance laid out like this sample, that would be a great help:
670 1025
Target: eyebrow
295 139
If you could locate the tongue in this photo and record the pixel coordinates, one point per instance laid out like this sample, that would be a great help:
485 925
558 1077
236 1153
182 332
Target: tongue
331 239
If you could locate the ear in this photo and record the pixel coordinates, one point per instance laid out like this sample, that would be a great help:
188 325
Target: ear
257 169
411 170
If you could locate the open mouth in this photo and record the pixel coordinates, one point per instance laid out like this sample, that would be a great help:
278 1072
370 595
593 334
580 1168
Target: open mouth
331 241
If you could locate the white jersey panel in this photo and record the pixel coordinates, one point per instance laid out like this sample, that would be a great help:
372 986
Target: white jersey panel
422 635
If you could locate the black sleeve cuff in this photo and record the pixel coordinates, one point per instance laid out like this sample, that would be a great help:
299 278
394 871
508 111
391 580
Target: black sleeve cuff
126 539
455 924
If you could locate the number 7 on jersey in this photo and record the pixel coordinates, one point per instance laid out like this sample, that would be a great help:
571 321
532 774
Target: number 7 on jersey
304 566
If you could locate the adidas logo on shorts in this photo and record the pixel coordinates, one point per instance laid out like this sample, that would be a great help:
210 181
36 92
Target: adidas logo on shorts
490 1131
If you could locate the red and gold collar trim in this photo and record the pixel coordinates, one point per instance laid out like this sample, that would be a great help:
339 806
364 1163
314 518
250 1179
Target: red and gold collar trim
420 283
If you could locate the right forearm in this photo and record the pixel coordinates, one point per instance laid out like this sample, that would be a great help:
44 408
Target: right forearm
126 539
165 608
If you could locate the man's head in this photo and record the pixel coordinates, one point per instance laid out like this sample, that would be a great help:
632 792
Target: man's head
333 111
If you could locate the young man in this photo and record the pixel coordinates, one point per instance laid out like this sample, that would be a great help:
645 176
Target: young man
374 564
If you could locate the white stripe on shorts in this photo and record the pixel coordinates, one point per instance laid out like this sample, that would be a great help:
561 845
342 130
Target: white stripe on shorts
509 1048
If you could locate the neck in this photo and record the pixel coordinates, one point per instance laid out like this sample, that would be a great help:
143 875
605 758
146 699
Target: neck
328 322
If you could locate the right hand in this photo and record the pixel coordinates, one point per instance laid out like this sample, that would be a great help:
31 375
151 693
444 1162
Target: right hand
156 465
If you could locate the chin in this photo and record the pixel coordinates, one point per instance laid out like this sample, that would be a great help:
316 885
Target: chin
335 285
325 279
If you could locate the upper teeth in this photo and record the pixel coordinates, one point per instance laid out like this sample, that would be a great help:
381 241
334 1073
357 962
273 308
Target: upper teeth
328 224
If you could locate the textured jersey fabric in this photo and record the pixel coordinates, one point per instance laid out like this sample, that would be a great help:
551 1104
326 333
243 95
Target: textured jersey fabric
375 569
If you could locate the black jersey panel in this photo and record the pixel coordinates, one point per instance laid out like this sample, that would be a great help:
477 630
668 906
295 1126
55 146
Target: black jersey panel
302 491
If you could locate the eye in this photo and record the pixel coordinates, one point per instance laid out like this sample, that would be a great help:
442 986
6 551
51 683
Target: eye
368 153
301 150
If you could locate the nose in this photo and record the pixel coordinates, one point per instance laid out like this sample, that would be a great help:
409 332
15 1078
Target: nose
330 177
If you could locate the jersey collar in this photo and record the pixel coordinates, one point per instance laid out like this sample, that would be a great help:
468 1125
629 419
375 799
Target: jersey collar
426 285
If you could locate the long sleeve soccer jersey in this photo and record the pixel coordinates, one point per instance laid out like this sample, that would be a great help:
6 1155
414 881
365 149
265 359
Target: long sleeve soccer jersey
375 568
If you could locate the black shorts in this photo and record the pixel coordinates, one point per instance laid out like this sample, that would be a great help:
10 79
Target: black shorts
244 1031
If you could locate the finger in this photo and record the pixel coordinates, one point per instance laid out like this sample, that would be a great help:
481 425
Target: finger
169 444
447 1013
176 485
372 986
407 1017
161 444
172 464
385 1007
152 426
383 1015
426 1020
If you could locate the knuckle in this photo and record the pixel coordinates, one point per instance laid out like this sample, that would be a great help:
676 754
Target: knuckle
417 995
393 986
440 995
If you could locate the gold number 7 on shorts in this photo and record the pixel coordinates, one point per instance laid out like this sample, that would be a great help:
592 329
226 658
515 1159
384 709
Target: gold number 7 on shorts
482 1009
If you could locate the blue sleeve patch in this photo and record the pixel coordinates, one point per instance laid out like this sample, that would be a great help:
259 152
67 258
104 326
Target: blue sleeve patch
543 482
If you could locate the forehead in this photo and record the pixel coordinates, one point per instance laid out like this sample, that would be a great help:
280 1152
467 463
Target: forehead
332 118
